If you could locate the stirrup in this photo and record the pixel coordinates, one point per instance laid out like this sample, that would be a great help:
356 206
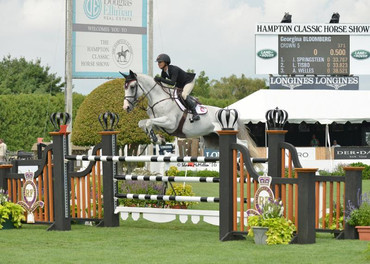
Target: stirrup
195 117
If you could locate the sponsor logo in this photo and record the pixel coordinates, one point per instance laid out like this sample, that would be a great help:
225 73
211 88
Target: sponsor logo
320 82
122 53
360 54
266 54
92 8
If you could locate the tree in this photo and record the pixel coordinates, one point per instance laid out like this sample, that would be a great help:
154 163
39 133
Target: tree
202 85
109 97
18 76
235 88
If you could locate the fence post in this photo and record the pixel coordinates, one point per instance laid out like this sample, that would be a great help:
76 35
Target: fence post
109 148
275 120
62 183
353 191
4 170
306 205
227 137
274 152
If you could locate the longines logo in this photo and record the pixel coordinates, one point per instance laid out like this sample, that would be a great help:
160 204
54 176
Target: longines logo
122 53
92 8
312 82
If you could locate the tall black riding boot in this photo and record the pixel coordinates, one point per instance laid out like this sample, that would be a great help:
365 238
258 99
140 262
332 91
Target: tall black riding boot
191 106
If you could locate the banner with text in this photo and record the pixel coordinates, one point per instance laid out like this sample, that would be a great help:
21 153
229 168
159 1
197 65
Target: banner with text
315 82
312 49
109 37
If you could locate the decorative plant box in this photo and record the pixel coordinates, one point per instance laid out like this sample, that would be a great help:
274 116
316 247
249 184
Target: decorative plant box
363 232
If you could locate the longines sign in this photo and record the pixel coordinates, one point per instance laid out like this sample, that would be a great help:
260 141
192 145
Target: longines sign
315 82
352 153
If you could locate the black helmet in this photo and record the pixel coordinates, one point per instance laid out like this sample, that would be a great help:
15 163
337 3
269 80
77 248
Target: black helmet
165 58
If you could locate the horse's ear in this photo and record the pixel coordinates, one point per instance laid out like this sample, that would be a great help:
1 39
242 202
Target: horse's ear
132 74
124 75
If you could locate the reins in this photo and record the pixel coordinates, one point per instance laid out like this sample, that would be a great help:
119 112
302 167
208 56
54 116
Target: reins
145 94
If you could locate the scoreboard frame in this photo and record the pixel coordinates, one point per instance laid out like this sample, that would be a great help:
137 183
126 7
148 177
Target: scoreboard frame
320 49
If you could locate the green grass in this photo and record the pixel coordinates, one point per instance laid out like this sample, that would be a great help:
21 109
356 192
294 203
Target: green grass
145 242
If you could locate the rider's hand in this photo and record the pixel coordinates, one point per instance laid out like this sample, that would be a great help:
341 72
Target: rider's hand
158 78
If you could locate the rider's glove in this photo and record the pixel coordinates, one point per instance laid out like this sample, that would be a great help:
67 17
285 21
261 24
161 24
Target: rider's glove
158 78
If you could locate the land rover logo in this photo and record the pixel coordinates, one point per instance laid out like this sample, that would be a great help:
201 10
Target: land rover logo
360 54
266 54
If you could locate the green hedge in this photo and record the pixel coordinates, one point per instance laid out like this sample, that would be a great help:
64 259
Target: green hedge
338 171
25 117
202 173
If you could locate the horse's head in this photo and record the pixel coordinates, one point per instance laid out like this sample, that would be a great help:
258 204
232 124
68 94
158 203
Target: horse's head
131 91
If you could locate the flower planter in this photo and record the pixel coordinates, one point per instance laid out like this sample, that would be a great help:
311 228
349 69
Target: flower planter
260 235
8 224
363 232
179 206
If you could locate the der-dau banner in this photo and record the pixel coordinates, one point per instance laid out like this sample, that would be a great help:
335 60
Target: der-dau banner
312 49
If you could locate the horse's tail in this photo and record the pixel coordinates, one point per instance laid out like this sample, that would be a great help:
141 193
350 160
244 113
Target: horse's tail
244 135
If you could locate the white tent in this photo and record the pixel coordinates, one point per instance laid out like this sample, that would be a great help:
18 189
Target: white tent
310 106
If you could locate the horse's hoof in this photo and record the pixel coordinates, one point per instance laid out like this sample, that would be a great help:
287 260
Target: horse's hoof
153 136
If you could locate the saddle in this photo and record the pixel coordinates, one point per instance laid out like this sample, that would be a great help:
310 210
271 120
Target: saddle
201 109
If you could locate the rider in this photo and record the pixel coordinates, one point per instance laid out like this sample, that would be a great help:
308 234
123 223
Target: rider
174 75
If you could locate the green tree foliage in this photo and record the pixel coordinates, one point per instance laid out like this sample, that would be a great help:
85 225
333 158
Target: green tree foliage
109 97
236 88
226 91
18 76
202 85
25 117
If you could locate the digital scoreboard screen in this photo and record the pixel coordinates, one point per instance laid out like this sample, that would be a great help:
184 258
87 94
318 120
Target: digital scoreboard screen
314 54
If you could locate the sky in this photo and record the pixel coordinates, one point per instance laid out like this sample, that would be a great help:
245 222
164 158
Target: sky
214 36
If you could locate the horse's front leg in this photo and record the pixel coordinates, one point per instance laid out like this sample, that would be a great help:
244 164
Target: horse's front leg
163 122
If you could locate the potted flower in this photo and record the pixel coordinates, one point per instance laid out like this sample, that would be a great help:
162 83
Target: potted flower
11 214
360 217
179 189
278 230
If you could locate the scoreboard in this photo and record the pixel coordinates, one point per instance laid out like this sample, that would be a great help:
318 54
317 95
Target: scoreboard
312 49
311 54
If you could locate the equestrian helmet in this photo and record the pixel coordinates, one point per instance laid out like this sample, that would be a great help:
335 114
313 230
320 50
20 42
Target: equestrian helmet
165 58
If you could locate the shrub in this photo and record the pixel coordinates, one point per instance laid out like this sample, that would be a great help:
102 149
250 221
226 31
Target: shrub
9 210
174 171
180 189
338 171
141 187
365 172
359 216
280 230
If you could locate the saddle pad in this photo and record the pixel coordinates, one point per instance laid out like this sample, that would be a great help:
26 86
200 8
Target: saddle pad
201 109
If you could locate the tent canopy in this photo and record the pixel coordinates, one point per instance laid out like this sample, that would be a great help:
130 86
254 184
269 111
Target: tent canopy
310 106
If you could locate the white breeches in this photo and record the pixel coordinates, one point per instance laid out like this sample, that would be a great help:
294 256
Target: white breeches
187 89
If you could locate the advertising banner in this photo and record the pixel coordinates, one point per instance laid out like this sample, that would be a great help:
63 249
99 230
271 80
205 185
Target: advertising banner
312 49
352 153
315 82
109 36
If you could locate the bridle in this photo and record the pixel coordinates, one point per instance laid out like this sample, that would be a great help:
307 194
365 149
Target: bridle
136 100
